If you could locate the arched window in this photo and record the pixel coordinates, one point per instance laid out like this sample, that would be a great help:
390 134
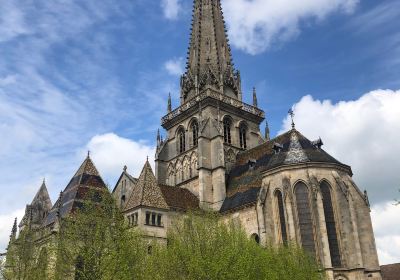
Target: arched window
305 218
195 133
242 136
227 131
181 141
330 224
256 238
282 219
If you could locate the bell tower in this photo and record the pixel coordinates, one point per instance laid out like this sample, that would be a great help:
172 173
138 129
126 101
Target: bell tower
212 124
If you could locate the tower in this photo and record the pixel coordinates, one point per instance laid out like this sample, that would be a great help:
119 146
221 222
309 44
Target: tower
212 124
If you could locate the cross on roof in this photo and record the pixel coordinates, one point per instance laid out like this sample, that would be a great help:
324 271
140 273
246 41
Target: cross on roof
291 113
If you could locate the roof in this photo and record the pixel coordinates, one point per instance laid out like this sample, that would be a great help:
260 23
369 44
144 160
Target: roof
289 148
41 201
146 192
179 198
390 271
85 179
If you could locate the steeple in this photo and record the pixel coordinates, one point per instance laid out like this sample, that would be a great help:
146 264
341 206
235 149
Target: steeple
267 132
209 56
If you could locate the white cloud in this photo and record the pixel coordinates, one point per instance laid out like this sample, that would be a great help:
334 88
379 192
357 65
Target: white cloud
6 223
175 66
363 133
171 8
387 232
111 152
267 22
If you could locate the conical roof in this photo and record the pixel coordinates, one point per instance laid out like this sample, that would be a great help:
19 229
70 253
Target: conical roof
146 192
42 197
209 55
86 179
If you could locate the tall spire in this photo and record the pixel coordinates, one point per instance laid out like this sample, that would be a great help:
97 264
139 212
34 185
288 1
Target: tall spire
267 133
209 56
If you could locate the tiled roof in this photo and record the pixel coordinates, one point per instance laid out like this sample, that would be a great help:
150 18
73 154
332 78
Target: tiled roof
390 271
179 198
245 176
86 179
146 192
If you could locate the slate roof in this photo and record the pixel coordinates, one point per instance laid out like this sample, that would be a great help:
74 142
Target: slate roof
41 201
85 179
179 198
146 192
390 271
130 177
245 178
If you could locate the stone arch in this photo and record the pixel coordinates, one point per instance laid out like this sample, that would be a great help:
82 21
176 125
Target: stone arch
304 216
243 132
341 277
330 222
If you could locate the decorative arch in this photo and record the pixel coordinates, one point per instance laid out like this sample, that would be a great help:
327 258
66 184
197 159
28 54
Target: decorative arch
304 217
194 165
281 214
330 222
178 170
185 168
171 174
227 124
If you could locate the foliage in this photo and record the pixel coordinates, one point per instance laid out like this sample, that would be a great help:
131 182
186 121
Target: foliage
200 247
93 243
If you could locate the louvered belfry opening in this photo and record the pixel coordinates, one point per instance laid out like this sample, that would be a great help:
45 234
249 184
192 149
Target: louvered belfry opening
282 219
305 218
330 224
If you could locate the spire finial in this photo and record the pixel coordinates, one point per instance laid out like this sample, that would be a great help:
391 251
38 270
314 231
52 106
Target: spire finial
255 102
267 133
147 159
125 168
169 108
291 113
44 180
88 153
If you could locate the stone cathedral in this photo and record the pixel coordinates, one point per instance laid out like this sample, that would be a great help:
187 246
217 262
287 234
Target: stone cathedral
214 157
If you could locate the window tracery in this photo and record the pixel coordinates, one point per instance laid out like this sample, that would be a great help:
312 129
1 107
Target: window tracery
227 130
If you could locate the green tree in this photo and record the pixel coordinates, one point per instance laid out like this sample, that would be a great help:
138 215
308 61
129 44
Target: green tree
201 247
94 242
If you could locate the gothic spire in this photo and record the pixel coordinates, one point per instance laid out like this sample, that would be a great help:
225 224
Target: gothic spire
255 102
13 235
209 56
267 133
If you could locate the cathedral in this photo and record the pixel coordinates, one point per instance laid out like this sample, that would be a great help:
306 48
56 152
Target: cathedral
214 157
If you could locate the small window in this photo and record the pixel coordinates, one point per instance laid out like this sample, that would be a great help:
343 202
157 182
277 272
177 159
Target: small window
153 219
159 220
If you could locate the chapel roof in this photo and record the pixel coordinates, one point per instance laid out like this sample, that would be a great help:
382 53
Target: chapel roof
86 179
41 201
289 148
146 192
390 271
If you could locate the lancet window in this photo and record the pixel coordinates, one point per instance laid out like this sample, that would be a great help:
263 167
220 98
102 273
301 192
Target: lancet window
195 133
181 140
282 219
330 224
242 136
227 130
305 218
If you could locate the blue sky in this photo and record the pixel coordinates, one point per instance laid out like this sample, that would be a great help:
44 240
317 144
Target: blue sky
79 75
